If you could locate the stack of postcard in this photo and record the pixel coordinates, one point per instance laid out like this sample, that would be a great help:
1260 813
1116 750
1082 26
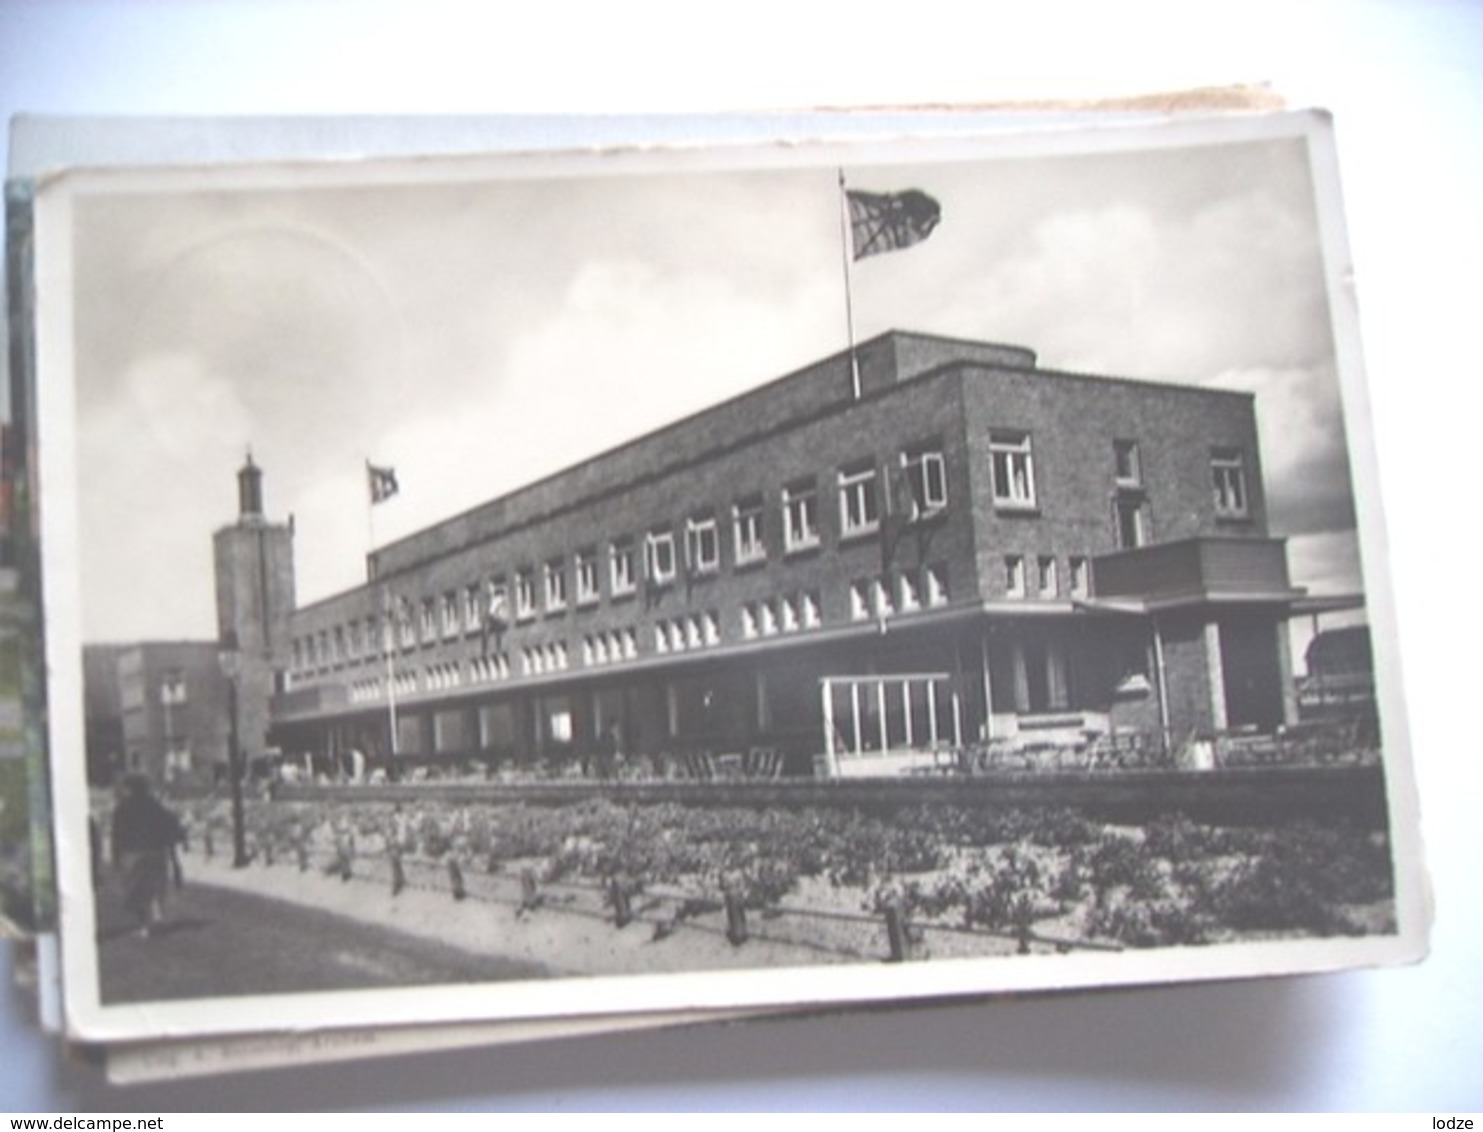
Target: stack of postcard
617 573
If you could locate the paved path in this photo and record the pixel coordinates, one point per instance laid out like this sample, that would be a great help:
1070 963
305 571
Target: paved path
223 942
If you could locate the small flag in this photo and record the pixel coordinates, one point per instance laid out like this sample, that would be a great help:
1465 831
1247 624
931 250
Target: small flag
382 482
886 222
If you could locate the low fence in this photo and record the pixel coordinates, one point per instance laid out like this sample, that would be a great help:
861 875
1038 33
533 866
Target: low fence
888 935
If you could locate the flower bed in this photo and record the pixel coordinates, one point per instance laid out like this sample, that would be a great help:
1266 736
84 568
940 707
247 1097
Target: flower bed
953 879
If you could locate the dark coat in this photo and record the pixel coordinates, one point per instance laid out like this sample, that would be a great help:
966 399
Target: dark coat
142 825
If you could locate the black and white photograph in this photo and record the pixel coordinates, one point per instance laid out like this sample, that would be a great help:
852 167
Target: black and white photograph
712 578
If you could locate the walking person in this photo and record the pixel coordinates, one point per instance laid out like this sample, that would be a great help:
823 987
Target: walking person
144 836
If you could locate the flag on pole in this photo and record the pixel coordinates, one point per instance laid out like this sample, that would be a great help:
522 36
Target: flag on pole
886 222
383 483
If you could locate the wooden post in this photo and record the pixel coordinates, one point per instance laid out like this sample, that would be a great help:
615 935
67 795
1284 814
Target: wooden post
455 879
208 844
736 919
896 932
302 849
622 909
530 891
398 875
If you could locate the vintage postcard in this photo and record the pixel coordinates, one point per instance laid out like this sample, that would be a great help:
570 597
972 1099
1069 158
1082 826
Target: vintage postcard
725 577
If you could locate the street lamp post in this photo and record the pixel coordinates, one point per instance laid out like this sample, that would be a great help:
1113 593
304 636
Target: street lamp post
231 667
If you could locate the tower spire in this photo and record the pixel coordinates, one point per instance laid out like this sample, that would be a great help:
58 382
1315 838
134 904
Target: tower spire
250 490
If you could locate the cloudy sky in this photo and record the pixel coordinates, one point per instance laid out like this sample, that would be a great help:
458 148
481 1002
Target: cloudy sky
480 331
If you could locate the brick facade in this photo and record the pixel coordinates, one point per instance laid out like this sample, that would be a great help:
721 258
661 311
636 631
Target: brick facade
694 587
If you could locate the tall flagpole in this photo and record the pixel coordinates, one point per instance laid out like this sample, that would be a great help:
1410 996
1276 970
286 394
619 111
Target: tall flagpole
849 303
388 630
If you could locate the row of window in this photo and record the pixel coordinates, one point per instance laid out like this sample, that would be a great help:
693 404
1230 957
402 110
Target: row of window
920 490
656 557
1227 476
1040 576
787 613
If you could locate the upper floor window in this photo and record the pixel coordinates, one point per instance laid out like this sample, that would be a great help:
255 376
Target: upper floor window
1013 469
1047 576
450 614
525 593
172 687
926 481
1014 575
1228 477
555 575
623 567
746 525
800 516
1079 585
1128 515
496 611
1127 467
659 556
406 631
937 591
703 544
859 504
586 570
428 620
471 607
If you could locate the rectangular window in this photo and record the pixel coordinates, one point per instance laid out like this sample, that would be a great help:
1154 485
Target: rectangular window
746 525
1014 575
406 631
750 620
926 481
497 606
525 593
859 504
428 620
471 608
172 688
1128 513
859 599
586 569
1049 582
1013 470
788 613
800 516
624 572
555 575
703 544
659 556
769 619
880 597
911 593
811 619
1228 476
937 591
1127 468
1079 587
450 614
